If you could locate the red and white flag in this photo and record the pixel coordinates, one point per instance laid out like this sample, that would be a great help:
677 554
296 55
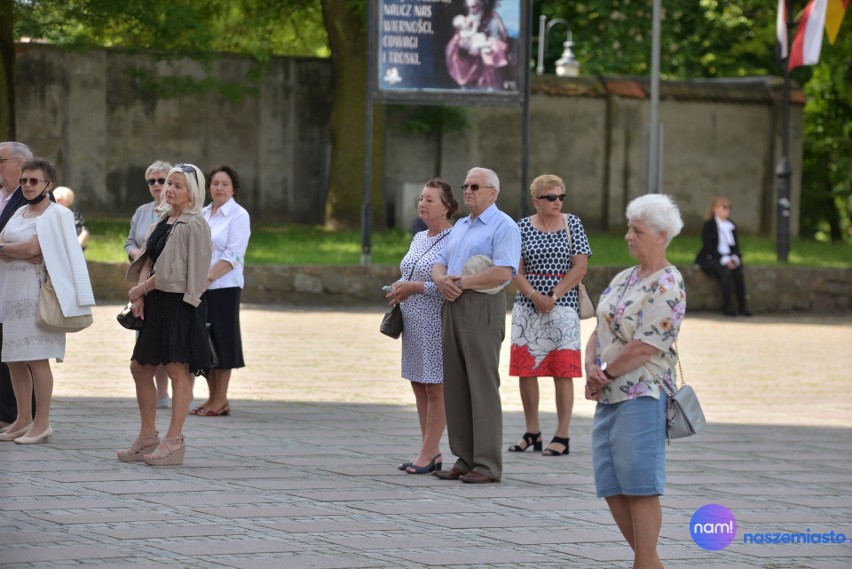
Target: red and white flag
808 41
781 31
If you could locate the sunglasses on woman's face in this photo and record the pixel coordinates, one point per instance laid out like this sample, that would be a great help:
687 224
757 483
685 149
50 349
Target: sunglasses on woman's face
553 197
152 181
32 181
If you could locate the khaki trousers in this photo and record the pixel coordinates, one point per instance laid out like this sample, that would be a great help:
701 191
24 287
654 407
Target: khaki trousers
474 326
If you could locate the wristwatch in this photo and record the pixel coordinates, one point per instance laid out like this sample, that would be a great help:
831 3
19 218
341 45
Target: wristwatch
2 246
605 372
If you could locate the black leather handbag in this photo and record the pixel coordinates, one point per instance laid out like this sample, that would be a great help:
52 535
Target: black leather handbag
126 319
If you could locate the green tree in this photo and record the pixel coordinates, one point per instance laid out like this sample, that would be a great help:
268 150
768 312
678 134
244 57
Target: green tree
729 38
827 168
346 23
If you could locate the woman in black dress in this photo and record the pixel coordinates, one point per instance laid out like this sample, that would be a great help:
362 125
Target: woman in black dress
171 273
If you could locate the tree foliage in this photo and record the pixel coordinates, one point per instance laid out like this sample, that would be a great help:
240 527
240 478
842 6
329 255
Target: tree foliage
184 28
729 38
827 169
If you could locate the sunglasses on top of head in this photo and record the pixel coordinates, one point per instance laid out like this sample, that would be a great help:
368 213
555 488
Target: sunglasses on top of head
552 197
187 169
152 181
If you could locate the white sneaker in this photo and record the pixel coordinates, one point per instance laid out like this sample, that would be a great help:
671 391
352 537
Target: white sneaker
164 403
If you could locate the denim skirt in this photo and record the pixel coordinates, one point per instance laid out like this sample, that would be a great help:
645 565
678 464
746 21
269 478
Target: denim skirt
629 447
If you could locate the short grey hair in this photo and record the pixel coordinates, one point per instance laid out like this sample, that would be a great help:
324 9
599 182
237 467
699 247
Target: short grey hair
194 182
659 211
18 150
490 176
157 166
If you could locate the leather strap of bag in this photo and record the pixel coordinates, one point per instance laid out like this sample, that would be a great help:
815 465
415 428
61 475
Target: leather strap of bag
411 272
570 251
662 383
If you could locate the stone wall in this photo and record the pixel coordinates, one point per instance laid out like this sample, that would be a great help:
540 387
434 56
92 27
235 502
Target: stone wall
770 289
103 115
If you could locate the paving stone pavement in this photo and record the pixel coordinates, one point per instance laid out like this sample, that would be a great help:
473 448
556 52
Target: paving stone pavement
303 474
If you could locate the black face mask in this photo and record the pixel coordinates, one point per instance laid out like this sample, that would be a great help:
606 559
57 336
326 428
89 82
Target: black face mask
38 199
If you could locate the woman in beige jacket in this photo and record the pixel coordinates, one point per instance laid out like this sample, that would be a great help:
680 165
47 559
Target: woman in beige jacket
171 273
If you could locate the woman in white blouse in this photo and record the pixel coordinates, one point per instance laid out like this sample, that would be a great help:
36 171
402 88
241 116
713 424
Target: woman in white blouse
230 227
720 255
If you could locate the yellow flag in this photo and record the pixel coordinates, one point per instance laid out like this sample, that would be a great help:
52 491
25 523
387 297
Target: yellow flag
834 13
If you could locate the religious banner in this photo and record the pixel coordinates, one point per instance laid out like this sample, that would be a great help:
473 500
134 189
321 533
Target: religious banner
450 50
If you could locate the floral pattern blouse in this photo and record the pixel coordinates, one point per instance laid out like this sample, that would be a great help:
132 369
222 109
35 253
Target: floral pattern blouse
650 310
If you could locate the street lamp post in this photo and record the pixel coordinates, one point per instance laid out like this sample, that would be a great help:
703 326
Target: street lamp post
567 65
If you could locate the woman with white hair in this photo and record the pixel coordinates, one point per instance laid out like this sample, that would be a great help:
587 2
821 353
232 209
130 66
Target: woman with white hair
171 273
630 352
143 217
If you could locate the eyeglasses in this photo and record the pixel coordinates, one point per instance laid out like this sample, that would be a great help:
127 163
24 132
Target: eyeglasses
4 158
725 207
152 181
187 169
552 197
32 181
473 187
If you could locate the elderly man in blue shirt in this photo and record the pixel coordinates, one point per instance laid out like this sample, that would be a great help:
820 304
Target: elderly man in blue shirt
473 320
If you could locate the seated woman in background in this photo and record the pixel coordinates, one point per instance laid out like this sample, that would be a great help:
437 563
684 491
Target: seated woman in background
720 255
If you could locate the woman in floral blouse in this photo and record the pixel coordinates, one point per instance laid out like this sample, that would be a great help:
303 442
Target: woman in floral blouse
639 316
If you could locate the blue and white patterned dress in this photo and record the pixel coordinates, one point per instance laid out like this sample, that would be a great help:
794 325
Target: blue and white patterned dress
422 358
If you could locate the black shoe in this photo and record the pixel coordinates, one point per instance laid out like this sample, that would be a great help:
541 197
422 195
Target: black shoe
745 312
531 439
433 466
561 441
729 313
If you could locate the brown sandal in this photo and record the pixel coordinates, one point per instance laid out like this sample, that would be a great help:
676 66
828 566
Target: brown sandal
168 453
141 446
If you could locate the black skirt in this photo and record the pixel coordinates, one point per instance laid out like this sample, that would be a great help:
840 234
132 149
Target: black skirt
223 314
173 332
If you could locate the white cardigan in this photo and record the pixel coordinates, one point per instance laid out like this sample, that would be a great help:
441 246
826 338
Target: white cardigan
64 259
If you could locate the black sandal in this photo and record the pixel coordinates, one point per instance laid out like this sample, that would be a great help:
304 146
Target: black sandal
561 441
531 439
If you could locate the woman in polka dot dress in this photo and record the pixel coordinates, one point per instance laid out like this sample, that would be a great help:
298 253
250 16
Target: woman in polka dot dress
420 302
545 323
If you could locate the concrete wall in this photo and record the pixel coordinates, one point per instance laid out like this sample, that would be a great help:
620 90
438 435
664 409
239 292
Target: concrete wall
715 142
104 115
770 289
99 118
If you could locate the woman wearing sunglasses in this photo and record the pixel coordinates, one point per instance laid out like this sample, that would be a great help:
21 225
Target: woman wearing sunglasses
39 236
545 321
171 273
145 215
